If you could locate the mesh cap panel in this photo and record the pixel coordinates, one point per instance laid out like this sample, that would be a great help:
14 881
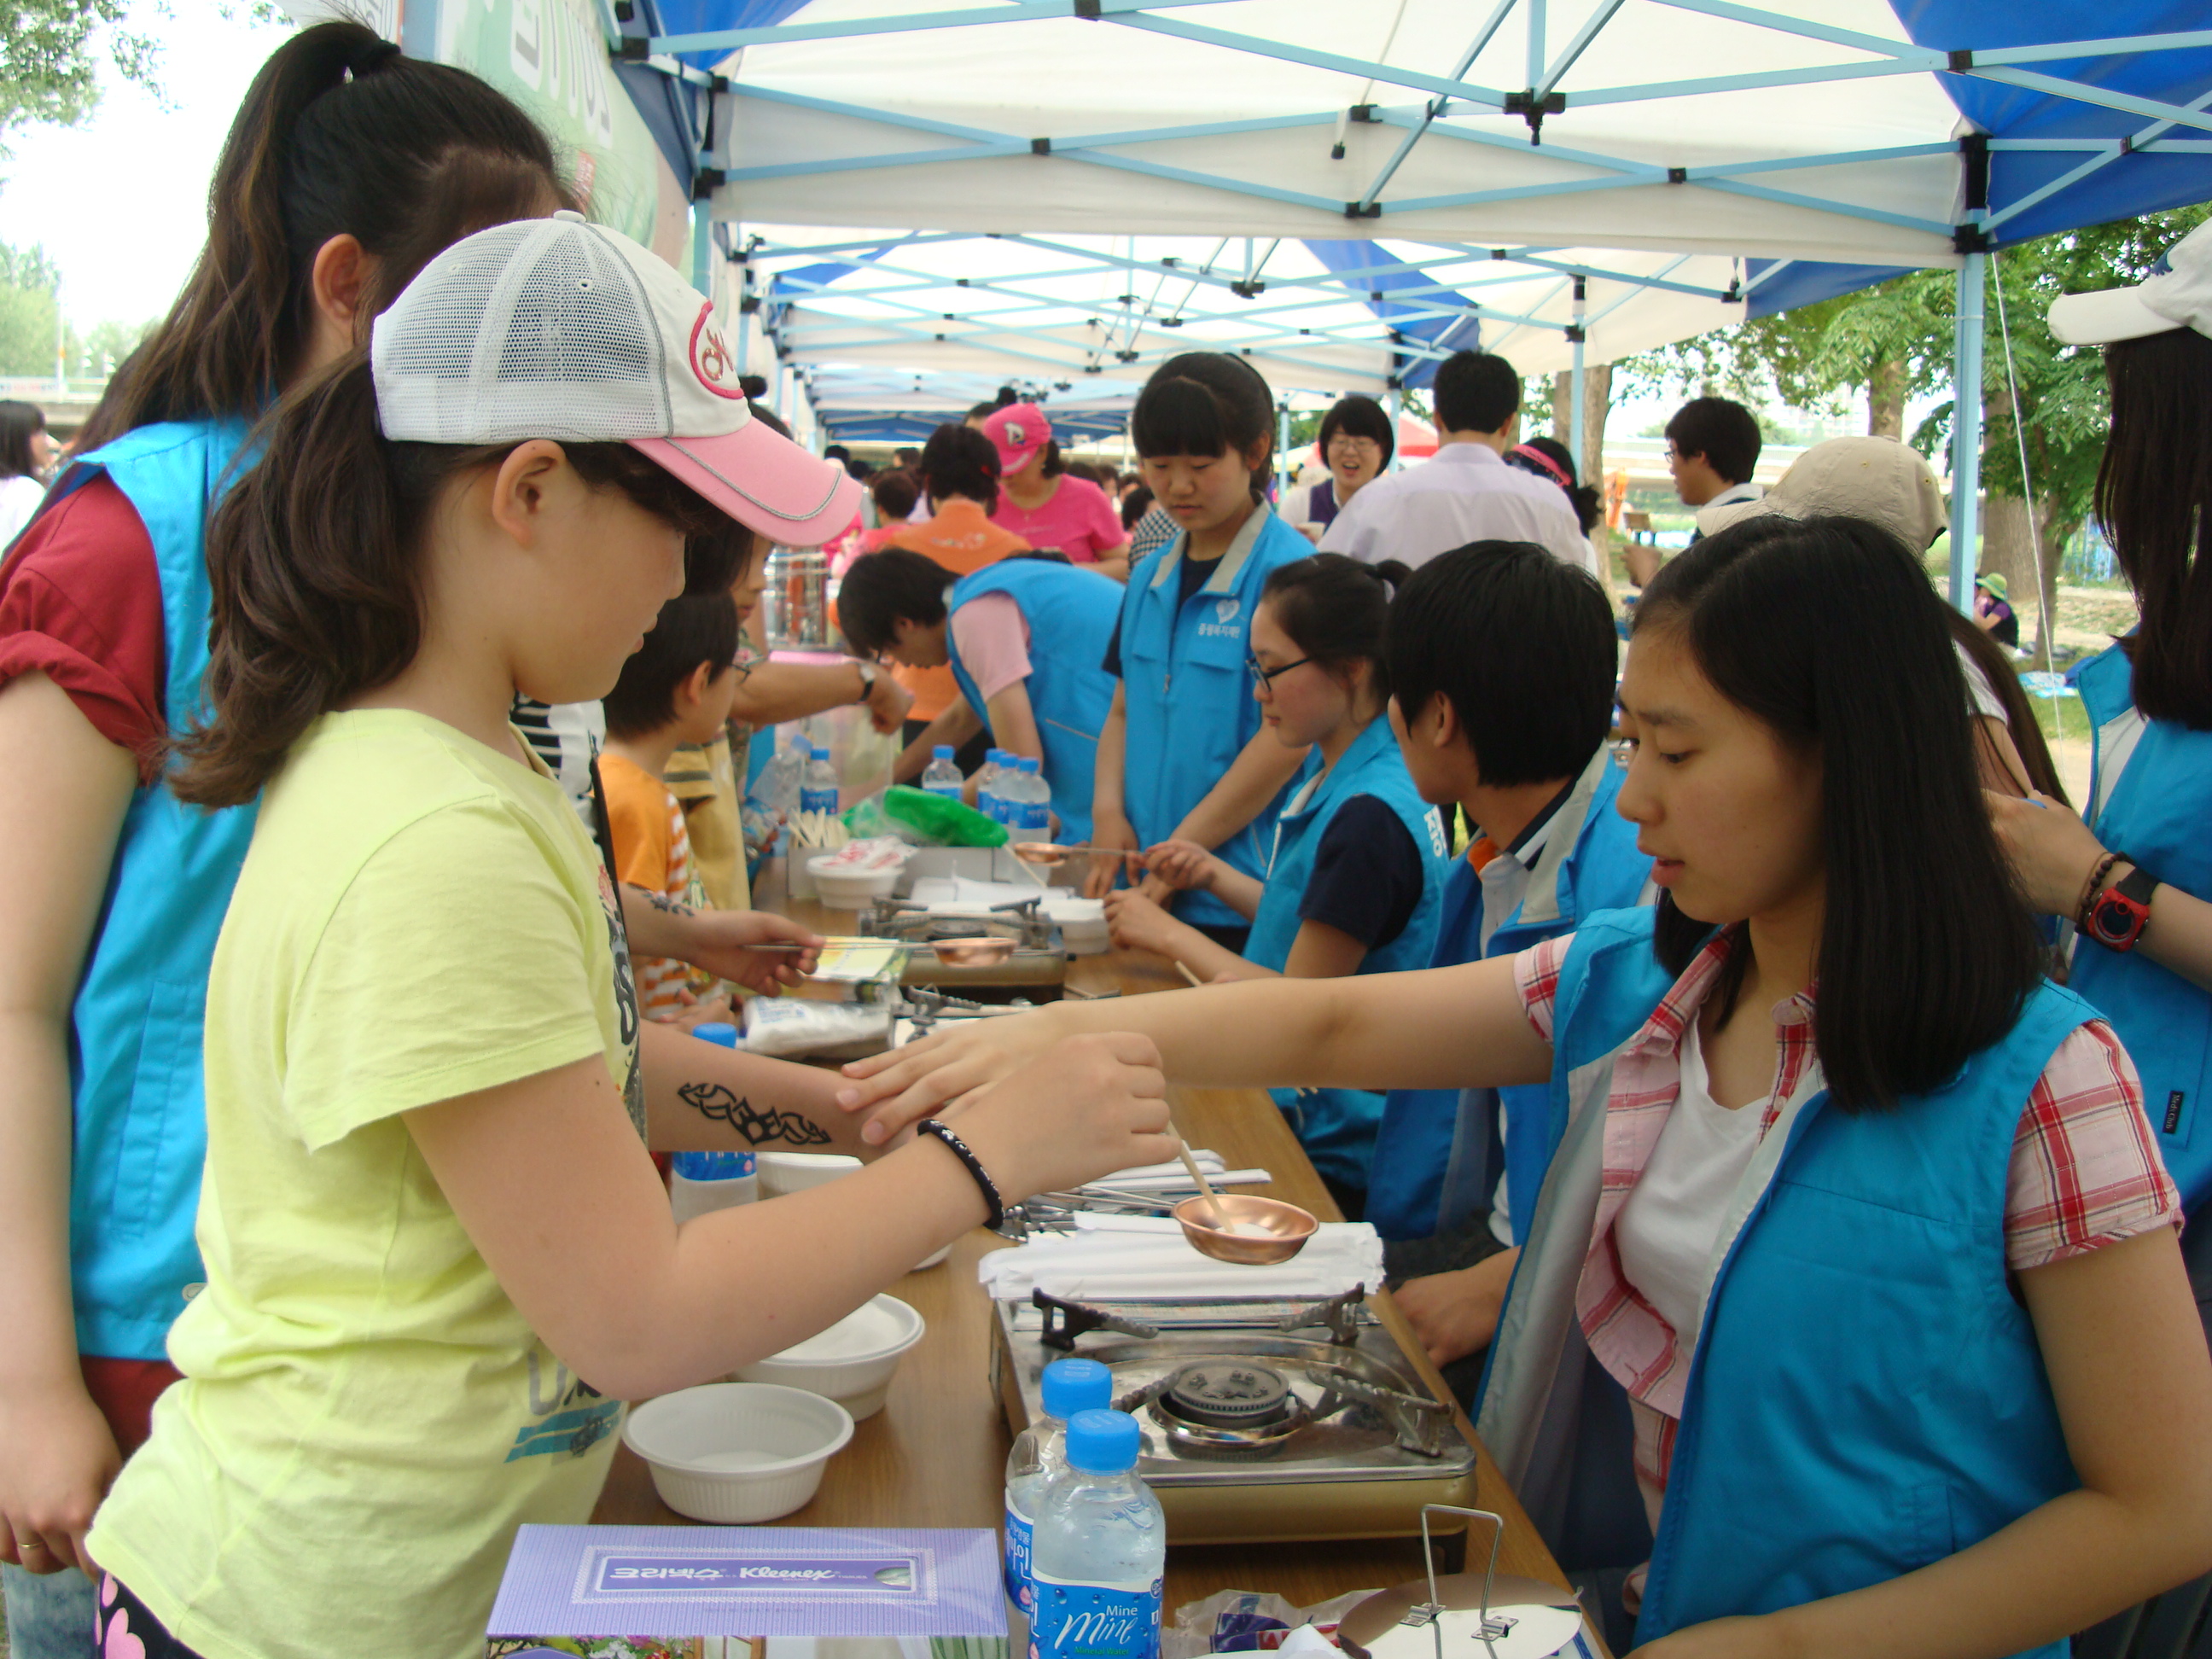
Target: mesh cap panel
537 330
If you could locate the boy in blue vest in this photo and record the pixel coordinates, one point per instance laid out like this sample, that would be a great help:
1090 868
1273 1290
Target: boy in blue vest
1025 637
1502 660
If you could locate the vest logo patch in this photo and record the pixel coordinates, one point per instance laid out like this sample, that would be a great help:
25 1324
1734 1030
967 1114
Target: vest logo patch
1226 610
2173 1110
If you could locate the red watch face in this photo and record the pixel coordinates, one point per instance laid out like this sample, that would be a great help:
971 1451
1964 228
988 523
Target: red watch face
2117 919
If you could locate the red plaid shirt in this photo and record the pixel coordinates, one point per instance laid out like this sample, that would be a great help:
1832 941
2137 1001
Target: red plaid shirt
2084 1171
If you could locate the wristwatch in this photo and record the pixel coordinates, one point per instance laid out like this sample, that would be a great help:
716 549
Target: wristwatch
2116 916
868 672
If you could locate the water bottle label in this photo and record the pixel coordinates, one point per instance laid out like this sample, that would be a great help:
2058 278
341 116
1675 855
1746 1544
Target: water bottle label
1037 815
1094 1621
817 800
950 789
1019 1536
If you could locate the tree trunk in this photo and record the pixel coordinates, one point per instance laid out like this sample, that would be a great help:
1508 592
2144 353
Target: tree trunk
1597 402
2007 547
1885 398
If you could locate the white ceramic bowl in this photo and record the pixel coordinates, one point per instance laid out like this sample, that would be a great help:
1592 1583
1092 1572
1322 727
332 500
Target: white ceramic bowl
794 1172
850 1362
845 889
737 1453
932 1260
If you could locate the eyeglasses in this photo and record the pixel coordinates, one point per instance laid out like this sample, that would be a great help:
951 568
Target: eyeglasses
1263 677
1623 751
1353 440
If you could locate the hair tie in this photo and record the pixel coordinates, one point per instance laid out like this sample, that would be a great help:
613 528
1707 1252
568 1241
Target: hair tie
372 58
1557 474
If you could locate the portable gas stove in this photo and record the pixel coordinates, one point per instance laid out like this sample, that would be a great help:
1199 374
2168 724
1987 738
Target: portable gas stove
1262 1419
1039 961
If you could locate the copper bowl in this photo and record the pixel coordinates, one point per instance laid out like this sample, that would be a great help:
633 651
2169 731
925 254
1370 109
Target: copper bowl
987 952
1260 1231
1045 855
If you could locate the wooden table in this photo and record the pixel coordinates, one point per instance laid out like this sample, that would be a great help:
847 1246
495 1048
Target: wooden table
935 1456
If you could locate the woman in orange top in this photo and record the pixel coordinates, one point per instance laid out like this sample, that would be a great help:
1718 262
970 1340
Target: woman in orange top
960 477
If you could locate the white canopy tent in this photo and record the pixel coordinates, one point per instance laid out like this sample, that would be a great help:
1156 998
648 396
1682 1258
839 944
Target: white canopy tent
1823 142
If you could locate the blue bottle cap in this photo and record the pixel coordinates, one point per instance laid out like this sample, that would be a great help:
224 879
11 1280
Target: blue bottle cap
1102 1443
941 751
1031 763
717 1031
1076 1385
711 1166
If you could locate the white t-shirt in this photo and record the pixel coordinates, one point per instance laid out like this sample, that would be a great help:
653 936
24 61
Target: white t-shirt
19 498
1467 494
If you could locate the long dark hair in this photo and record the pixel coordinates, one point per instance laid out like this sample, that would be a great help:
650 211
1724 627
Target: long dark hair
19 424
1206 402
2154 500
1337 610
1988 656
313 569
1826 631
338 133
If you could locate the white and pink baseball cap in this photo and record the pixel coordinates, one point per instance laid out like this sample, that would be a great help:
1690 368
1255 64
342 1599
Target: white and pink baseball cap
1019 433
558 328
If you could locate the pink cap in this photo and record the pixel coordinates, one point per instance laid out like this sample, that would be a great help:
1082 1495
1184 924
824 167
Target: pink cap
1019 433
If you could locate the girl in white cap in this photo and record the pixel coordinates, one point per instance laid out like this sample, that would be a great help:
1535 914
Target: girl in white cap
438 1257
2135 878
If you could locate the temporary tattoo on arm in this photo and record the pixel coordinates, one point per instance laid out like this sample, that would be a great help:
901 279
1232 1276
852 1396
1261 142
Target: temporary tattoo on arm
717 1102
662 902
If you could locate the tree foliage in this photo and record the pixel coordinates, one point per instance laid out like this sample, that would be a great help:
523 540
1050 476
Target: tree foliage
50 53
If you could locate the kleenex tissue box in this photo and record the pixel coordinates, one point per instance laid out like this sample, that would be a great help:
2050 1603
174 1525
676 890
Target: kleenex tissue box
715 1592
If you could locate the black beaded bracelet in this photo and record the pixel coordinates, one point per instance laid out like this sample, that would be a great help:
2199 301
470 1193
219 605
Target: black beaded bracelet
930 1126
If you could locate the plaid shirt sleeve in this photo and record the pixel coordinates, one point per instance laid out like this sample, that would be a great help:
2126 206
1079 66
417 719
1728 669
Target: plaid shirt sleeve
1536 976
2084 1170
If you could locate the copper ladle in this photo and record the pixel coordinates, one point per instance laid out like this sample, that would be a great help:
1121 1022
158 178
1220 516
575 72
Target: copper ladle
986 950
1256 1232
1050 854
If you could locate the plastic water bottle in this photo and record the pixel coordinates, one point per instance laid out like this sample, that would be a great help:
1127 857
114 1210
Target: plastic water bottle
700 1182
988 783
1099 1548
1032 814
777 788
941 776
818 792
1039 1455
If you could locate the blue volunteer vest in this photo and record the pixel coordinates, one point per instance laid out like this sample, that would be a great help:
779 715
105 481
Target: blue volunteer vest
1336 1126
2159 811
1071 612
1188 695
1441 1149
141 1115
1867 1397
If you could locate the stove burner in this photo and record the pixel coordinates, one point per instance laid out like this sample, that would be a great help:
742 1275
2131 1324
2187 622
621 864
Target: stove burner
1228 1394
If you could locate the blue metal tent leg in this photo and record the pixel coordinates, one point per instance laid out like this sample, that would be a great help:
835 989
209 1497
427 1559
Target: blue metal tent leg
1966 431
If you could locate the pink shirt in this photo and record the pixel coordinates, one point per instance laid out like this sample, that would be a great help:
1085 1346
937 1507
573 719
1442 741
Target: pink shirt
993 642
1076 520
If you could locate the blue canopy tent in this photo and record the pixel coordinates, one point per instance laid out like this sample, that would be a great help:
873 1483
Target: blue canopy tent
1823 143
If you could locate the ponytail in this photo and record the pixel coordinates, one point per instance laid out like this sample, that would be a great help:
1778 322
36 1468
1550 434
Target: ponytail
339 134
313 569
1336 610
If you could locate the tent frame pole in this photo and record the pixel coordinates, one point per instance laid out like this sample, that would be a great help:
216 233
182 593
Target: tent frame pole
1967 429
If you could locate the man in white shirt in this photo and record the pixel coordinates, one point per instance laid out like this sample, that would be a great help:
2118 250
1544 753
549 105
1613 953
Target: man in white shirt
1467 493
1712 444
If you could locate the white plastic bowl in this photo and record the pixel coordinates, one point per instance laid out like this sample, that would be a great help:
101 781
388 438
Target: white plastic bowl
934 1258
852 1362
736 1453
846 889
794 1172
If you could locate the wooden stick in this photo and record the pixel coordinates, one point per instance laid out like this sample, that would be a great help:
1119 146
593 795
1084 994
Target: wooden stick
1184 968
1182 1150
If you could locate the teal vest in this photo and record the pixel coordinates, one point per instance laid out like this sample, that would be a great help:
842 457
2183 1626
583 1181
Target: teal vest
1188 697
1337 1126
1070 612
1440 1150
1867 1395
140 1116
2159 811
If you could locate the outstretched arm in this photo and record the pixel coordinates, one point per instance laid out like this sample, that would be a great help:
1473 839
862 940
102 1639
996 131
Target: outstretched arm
2054 852
1440 1028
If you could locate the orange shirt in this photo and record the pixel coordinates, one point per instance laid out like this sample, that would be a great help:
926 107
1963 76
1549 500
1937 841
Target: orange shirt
653 850
962 538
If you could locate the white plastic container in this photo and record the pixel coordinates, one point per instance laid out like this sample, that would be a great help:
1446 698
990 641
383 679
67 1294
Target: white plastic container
794 1172
737 1453
845 888
852 1362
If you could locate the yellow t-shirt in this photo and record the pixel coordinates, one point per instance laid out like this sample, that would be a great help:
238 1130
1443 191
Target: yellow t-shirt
365 1417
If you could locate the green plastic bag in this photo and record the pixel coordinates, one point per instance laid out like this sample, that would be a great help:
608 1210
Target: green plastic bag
923 819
